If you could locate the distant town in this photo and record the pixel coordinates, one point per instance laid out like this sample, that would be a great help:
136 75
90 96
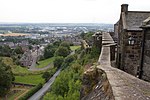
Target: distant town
34 52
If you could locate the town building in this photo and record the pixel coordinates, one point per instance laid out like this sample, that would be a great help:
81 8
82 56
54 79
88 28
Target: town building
27 59
130 55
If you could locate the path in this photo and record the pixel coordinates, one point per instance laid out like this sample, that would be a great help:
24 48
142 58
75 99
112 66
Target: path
45 87
124 86
33 66
40 69
25 91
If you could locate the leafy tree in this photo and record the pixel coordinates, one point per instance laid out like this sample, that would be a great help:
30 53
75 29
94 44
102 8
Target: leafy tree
69 59
49 51
5 51
30 47
95 52
46 76
18 50
58 61
34 41
6 78
62 51
65 44
56 43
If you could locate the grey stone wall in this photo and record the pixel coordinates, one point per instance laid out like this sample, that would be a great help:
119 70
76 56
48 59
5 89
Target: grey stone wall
146 59
129 54
132 53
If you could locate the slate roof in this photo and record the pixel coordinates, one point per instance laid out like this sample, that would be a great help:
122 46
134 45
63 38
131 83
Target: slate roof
134 19
146 23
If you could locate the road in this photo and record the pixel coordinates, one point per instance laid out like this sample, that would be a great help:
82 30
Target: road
45 87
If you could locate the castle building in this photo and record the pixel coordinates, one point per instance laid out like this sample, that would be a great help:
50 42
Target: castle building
145 54
131 57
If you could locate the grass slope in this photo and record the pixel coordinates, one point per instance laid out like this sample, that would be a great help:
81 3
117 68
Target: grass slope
74 47
45 62
30 79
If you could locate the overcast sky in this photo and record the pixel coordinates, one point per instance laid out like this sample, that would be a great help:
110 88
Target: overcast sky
66 11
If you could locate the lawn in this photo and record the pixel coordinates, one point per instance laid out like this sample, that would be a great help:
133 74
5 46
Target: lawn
74 47
45 62
14 96
16 69
16 92
29 79
20 70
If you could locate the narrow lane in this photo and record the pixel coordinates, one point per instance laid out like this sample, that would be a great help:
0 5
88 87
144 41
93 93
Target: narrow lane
45 87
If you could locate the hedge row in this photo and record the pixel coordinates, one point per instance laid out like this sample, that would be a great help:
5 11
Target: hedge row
31 92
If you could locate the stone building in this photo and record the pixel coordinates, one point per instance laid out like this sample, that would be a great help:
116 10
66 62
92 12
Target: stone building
26 59
145 57
130 39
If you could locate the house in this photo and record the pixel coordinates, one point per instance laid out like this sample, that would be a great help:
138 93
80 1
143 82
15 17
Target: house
130 41
27 59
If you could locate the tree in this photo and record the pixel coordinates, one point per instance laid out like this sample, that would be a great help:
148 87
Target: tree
62 51
56 43
69 59
58 61
30 47
18 50
46 76
6 78
49 51
5 51
65 44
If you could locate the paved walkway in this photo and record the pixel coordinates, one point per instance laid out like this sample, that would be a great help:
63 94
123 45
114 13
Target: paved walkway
45 88
124 86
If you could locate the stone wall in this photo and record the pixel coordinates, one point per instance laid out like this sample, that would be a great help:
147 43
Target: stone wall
146 59
132 53
116 26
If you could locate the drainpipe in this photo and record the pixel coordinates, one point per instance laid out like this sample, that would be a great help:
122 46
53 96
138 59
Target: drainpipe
142 55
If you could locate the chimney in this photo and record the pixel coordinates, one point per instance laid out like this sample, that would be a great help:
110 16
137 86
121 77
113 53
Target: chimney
124 8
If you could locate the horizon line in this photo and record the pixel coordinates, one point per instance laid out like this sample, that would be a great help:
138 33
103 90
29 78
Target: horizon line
52 23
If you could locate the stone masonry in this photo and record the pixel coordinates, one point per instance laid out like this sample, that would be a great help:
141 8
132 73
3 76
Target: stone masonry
124 85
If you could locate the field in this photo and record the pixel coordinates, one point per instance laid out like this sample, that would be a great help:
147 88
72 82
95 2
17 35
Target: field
45 62
23 75
15 34
30 79
15 68
16 92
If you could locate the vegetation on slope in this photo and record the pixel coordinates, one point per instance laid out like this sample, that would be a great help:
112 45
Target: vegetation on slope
67 85
45 62
6 78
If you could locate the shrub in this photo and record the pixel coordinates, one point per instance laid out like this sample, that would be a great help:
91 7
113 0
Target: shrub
62 51
31 92
46 76
58 62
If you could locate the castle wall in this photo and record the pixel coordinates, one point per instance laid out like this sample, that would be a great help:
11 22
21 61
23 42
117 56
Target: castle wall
146 59
132 53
